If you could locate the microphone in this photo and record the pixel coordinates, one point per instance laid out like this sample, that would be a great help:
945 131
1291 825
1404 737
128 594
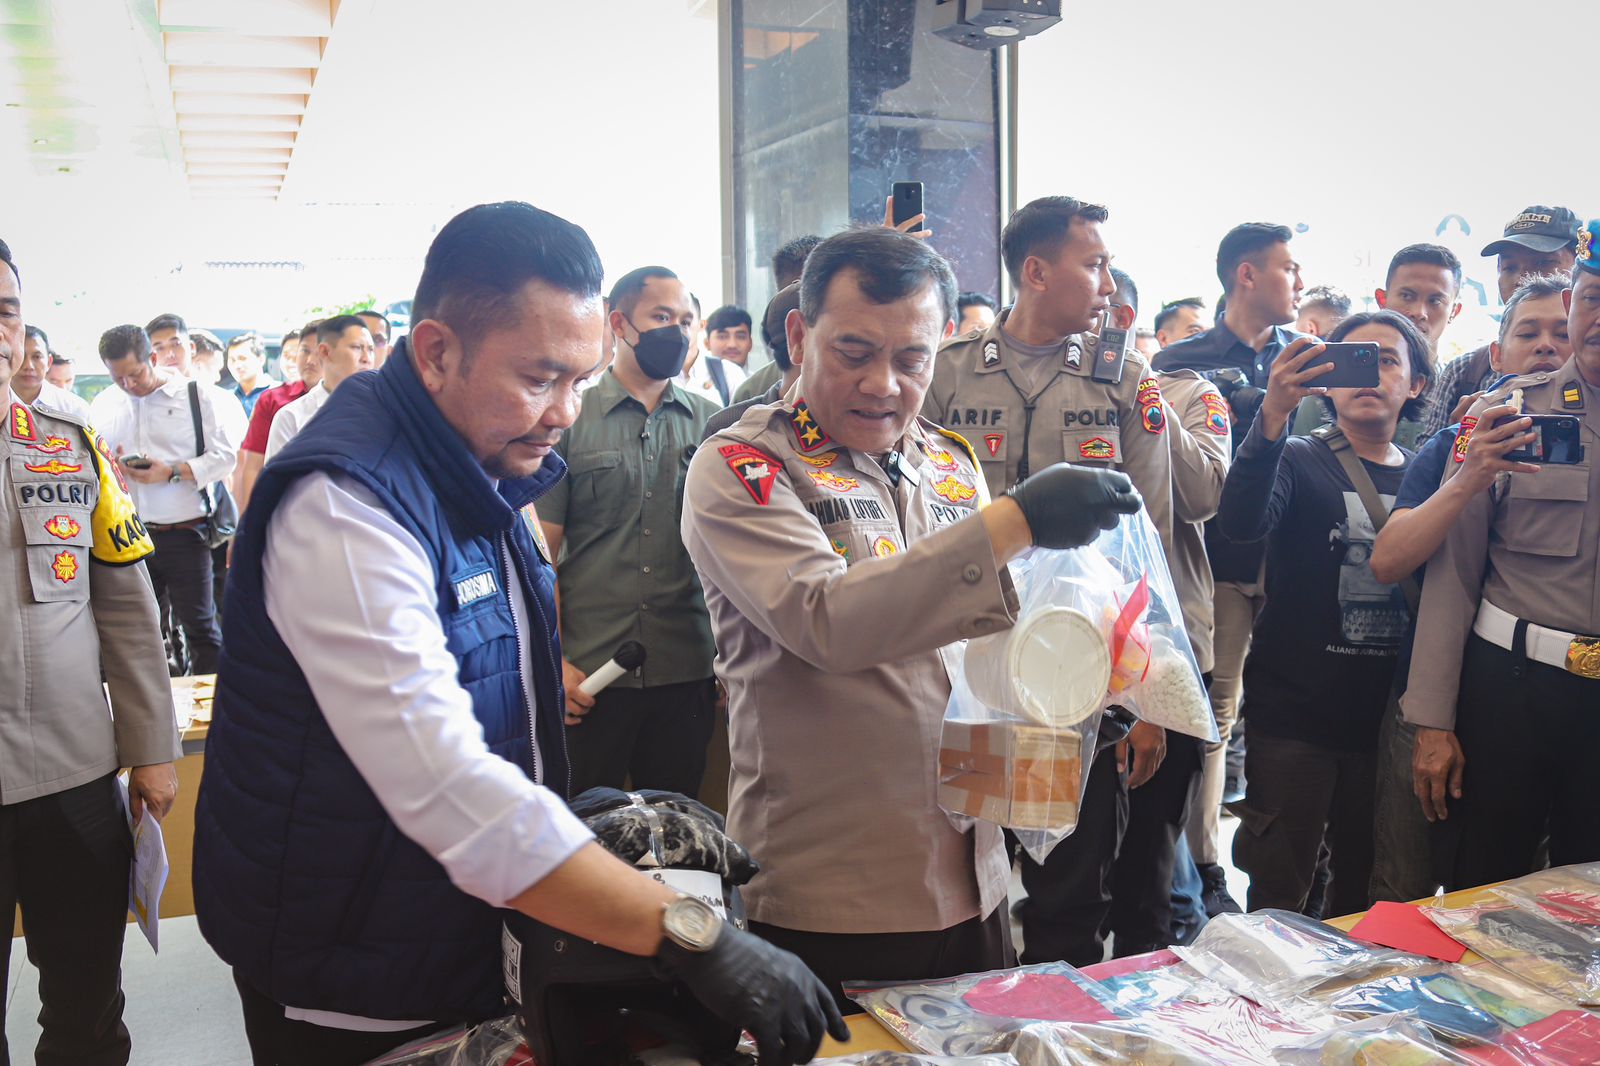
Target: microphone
629 657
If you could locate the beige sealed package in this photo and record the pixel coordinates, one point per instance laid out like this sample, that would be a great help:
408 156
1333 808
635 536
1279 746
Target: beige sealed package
1098 627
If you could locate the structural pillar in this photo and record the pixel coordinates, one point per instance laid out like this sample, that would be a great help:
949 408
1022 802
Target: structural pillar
827 103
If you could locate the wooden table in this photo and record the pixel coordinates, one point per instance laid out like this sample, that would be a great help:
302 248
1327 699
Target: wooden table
867 1034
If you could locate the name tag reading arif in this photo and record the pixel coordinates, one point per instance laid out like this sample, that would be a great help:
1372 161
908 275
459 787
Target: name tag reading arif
475 587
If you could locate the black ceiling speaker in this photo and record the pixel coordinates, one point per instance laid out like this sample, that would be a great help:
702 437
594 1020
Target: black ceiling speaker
993 23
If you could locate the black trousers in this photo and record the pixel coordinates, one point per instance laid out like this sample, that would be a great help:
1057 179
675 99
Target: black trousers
181 568
219 577
974 946
657 737
64 858
1141 879
1069 896
277 1041
1531 737
1298 796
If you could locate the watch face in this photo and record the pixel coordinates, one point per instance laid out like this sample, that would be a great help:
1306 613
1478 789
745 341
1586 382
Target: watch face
692 923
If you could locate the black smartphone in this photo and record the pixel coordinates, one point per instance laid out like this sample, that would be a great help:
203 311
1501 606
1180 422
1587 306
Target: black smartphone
136 462
1355 365
1557 440
907 201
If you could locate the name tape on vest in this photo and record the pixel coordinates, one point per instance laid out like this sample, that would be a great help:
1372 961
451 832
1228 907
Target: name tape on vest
475 587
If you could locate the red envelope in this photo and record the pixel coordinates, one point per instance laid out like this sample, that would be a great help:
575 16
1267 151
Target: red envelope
1406 928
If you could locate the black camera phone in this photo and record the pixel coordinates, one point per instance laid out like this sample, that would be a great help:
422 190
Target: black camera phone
1558 439
1355 365
136 462
907 201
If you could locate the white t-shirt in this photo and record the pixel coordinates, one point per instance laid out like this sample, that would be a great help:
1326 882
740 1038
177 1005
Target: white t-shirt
293 416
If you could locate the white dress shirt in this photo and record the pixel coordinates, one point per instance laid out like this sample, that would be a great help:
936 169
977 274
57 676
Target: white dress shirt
54 396
345 583
697 379
293 416
159 425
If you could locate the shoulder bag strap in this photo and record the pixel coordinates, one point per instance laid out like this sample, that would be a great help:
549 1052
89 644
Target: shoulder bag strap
199 443
1337 443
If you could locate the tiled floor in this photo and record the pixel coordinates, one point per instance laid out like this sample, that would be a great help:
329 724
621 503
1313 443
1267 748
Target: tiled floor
182 1009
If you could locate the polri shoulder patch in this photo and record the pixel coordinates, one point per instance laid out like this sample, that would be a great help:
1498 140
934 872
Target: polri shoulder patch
1218 419
1151 413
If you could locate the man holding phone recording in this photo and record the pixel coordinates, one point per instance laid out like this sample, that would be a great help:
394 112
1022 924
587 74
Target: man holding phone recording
1324 649
1505 674
149 423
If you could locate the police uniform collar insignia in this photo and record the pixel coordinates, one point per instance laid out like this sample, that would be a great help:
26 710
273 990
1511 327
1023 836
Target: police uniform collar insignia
807 434
1074 355
1572 396
21 422
991 353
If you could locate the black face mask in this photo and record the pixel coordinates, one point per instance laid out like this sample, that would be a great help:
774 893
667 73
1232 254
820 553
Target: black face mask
661 352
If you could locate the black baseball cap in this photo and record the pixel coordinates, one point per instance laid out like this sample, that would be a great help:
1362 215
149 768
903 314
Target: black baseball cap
1540 228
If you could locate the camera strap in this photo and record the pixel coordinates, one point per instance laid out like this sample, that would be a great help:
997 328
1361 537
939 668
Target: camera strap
1339 445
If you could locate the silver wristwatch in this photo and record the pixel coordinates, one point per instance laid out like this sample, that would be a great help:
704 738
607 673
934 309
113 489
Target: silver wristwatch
691 924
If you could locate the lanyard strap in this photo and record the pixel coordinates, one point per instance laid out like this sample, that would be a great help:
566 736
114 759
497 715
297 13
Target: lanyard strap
1029 403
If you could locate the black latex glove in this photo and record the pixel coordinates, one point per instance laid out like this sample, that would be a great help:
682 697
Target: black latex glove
1067 506
763 989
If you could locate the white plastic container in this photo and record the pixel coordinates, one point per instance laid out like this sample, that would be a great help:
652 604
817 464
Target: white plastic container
1052 668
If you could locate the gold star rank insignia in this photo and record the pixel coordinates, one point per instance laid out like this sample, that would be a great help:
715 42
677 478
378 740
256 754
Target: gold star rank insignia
807 433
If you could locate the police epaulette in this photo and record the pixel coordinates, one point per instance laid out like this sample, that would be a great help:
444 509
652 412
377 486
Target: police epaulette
966 445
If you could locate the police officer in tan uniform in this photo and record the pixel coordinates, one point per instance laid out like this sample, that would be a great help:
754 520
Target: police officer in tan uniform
1202 451
1505 673
75 603
1029 391
1145 913
843 546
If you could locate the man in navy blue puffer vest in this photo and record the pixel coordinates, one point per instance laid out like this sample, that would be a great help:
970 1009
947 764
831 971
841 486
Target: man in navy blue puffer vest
386 764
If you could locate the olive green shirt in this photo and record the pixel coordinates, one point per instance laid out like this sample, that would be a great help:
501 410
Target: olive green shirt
758 382
623 573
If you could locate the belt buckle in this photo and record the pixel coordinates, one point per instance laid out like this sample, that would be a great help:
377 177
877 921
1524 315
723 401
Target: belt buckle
1583 657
